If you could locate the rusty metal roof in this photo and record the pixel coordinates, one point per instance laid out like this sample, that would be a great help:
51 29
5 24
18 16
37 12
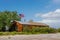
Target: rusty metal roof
32 23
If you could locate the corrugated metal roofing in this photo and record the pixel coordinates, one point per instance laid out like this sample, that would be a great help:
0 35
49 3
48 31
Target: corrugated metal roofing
32 23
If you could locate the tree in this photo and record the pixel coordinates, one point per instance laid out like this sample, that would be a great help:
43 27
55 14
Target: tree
7 16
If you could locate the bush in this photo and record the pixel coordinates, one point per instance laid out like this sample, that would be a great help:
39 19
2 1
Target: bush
52 30
58 29
34 30
26 29
43 30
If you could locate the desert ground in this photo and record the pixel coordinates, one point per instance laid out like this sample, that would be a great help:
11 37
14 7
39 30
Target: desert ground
32 37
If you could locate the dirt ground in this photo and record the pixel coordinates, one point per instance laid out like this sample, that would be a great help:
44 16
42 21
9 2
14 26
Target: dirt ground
32 37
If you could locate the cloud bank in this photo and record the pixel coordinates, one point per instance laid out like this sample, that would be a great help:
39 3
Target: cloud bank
51 18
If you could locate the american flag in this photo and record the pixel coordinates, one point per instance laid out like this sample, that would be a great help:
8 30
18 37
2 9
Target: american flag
21 15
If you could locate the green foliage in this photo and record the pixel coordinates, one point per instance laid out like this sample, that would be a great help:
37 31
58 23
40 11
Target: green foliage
35 30
26 29
6 17
52 30
58 29
13 33
44 30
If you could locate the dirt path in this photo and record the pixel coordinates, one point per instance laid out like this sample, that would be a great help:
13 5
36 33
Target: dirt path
32 37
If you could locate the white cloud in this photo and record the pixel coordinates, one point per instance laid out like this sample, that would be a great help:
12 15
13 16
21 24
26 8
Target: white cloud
56 1
52 15
51 23
51 18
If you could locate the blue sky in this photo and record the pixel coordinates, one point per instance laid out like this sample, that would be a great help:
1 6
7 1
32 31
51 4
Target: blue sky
37 10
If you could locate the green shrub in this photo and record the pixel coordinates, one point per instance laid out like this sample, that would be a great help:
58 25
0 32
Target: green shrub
34 30
43 30
52 30
58 29
26 29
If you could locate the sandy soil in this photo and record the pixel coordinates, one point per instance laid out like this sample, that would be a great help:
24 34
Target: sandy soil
32 37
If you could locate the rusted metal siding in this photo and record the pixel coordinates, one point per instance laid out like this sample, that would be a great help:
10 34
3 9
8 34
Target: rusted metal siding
19 27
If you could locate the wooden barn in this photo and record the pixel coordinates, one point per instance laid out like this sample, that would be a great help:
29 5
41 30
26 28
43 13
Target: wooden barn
18 26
